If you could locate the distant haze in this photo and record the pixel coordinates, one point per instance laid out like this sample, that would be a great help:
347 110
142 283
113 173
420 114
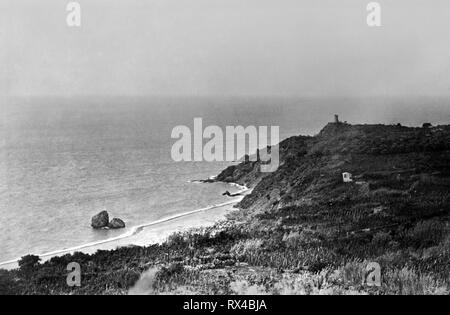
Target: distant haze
224 47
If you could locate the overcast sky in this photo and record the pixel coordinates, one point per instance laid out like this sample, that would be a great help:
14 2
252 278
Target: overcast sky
224 47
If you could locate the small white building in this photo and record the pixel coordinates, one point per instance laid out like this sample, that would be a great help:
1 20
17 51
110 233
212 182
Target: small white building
347 177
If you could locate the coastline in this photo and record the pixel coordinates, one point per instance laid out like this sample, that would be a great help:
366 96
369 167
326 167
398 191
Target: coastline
297 232
154 232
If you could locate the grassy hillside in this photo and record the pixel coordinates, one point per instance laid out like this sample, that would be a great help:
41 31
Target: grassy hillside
302 230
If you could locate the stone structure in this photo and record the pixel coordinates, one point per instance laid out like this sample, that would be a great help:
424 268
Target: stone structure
336 119
347 177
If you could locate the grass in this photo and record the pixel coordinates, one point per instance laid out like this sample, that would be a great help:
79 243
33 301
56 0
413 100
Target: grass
301 231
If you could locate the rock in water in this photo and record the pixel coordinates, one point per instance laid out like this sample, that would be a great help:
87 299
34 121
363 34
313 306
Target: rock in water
116 224
100 220
227 193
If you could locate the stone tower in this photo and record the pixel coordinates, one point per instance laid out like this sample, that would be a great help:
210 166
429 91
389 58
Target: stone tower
336 119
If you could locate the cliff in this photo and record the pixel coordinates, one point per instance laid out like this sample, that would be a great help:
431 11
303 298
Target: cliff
389 160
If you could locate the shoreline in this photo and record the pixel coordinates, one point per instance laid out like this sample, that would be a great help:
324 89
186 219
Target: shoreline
150 233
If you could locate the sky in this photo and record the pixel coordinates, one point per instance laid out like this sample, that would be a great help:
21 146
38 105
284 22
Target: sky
224 47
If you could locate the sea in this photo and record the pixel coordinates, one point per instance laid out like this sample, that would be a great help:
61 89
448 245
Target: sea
62 160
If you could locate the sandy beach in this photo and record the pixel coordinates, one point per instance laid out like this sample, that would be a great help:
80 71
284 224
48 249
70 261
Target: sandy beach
152 232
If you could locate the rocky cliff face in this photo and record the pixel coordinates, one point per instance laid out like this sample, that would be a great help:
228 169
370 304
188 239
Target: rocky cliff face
248 172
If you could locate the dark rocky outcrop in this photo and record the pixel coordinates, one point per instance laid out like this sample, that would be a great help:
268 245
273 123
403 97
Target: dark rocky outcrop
100 220
116 224
227 193
245 173
311 167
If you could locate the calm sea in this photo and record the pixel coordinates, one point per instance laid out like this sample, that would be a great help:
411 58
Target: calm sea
64 160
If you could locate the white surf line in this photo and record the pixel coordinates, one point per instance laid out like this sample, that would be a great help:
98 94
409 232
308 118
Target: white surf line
243 188
134 231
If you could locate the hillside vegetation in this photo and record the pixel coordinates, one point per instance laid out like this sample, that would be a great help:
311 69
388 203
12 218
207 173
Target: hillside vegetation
302 230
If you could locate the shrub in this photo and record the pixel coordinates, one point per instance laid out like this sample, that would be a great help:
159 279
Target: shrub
426 234
296 239
28 263
409 282
352 273
8 285
246 247
381 239
292 240
166 273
